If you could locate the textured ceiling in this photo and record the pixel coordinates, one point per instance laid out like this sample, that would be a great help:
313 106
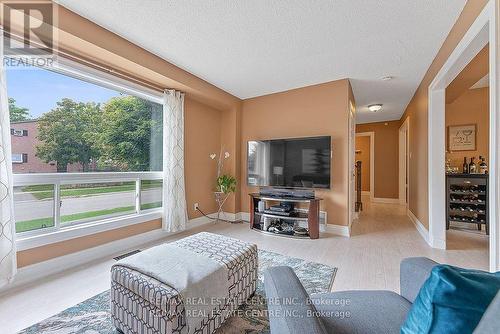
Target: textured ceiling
253 48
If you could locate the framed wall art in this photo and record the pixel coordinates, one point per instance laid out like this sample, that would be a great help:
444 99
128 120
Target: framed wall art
462 137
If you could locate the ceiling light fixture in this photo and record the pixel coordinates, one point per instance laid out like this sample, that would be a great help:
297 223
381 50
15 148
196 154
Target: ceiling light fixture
375 107
387 78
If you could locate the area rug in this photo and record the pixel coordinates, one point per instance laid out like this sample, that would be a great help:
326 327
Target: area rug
92 315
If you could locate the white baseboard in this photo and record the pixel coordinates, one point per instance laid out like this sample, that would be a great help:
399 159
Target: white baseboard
232 217
385 200
344 231
420 227
245 216
37 271
437 243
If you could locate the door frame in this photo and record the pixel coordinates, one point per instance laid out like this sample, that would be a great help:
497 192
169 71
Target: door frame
351 170
481 32
404 162
370 134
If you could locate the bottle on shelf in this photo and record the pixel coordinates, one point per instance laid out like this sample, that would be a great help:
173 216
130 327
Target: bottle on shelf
465 166
483 167
472 166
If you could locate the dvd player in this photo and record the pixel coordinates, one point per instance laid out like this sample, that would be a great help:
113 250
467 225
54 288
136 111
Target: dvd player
280 208
278 213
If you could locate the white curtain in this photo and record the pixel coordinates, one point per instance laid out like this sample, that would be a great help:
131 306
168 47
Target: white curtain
174 193
8 265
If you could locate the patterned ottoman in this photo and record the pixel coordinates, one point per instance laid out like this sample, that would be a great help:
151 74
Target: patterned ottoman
142 304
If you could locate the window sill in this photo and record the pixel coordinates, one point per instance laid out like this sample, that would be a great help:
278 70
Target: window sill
71 232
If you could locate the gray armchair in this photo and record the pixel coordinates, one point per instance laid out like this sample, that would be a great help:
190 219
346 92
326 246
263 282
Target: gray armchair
293 311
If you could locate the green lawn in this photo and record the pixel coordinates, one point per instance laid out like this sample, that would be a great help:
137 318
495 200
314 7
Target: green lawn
45 191
35 224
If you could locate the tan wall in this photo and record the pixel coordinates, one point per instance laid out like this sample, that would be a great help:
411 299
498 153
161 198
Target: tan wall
386 157
202 138
417 111
363 155
231 140
472 107
320 110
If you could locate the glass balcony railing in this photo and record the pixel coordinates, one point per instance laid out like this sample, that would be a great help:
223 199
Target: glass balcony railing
47 202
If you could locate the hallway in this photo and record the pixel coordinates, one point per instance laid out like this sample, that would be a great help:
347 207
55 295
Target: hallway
384 235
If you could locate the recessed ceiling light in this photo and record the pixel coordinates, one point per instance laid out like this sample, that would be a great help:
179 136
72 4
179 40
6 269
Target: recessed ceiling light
375 107
387 78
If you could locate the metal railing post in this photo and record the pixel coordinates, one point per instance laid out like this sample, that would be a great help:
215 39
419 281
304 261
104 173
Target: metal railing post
57 205
138 195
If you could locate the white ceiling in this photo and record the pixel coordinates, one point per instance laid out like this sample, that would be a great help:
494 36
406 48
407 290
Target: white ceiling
253 48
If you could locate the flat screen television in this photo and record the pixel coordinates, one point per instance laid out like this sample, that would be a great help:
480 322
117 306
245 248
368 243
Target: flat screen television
290 163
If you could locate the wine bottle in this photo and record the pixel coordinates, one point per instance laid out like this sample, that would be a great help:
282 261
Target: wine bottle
465 167
472 166
483 167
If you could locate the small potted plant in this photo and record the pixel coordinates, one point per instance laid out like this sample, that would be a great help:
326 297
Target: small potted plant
225 183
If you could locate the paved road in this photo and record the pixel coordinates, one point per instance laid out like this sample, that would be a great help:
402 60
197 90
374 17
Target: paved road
33 209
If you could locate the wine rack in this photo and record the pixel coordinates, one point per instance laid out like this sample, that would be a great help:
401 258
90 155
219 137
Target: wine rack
467 200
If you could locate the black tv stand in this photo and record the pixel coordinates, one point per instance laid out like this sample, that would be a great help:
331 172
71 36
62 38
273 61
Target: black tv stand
311 215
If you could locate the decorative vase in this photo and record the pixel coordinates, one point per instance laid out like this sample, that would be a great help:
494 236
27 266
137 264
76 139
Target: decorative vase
220 198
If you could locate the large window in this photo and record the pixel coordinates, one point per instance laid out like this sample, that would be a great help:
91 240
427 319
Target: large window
101 149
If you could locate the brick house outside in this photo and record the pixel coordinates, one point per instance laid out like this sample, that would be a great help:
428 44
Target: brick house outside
24 139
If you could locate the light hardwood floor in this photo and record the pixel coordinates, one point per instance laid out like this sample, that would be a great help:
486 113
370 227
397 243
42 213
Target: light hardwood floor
382 236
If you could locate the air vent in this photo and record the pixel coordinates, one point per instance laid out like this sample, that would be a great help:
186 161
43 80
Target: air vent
118 258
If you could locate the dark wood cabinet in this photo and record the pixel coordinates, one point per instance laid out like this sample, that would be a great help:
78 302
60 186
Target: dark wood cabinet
467 199
309 215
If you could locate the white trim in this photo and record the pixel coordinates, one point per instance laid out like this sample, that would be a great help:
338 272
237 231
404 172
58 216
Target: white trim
436 156
494 182
82 230
370 134
420 227
344 231
80 71
37 271
481 32
231 217
385 200
366 193
351 164
245 216
404 162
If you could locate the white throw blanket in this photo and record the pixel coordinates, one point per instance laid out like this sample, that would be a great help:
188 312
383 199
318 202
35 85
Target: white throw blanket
199 279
